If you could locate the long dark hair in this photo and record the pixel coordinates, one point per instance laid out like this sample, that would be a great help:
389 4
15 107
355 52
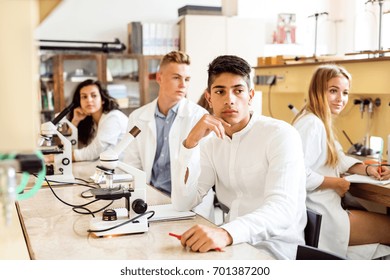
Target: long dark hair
85 127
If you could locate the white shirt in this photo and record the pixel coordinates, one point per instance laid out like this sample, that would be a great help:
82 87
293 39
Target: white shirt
141 152
110 130
335 227
259 174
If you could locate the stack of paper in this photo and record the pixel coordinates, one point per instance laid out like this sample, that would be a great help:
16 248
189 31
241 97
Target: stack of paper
166 212
365 179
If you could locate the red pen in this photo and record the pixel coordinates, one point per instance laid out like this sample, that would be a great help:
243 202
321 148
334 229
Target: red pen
179 237
175 235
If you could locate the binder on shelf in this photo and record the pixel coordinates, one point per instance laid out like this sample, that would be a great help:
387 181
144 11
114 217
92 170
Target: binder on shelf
134 33
152 38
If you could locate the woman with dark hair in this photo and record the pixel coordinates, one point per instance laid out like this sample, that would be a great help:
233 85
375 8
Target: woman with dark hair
99 122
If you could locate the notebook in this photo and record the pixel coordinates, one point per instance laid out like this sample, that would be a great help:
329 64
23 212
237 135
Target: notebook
166 212
355 178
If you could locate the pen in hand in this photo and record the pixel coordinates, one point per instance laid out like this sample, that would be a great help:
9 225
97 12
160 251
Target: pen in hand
175 235
179 238
380 164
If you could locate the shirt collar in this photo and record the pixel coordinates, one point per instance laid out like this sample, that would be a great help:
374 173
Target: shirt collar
171 111
247 127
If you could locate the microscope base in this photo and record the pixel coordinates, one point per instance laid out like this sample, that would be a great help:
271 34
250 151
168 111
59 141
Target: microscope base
138 226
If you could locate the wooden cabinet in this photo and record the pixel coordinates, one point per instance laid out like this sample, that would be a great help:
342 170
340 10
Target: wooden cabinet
131 78
60 75
128 77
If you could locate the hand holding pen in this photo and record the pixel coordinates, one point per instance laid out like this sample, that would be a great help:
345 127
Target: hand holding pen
200 238
179 237
384 172
378 171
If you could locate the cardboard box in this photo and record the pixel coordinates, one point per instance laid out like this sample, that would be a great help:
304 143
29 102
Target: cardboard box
199 10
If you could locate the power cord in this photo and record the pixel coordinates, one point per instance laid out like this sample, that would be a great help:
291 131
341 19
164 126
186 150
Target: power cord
81 206
271 81
124 223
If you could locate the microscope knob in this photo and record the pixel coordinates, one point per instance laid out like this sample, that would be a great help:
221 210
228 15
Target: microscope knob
139 206
65 161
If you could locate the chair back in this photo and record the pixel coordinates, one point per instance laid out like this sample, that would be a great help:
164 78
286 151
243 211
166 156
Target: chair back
313 228
305 252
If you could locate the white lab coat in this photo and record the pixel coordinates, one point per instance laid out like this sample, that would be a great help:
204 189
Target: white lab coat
141 152
335 227
259 174
110 130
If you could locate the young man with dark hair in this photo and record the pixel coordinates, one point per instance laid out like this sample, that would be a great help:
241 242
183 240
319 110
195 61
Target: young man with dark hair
255 163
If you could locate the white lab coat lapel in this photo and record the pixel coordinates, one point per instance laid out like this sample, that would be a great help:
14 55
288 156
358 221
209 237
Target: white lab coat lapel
150 138
175 135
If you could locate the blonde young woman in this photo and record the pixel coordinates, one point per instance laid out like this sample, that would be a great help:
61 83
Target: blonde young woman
325 162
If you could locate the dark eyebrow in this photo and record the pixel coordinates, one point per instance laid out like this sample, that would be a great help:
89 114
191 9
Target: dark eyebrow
220 86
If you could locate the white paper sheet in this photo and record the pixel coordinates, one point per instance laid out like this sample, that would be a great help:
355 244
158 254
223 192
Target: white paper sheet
355 178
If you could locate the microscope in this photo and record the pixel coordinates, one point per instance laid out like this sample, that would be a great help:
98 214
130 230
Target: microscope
54 142
130 219
69 130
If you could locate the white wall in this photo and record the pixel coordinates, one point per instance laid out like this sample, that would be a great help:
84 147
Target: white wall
341 31
366 25
105 20
224 36
351 25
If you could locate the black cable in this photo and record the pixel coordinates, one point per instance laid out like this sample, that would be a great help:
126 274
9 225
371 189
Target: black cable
81 206
124 223
89 211
269 101
69 183
86 196
85 181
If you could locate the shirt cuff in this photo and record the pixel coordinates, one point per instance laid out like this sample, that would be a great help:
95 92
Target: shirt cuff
233 229
77 155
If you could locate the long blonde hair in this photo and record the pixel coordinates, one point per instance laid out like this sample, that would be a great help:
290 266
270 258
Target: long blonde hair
319 106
